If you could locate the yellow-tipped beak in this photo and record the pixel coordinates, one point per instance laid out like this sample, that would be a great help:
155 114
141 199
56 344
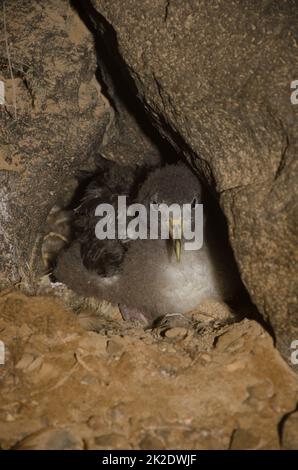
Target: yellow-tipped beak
175 230
177 247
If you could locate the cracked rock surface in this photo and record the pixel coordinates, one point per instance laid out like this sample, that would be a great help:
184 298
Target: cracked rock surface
54 117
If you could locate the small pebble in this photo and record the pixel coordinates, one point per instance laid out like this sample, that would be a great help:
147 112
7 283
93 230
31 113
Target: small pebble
175 332
235 366
244 439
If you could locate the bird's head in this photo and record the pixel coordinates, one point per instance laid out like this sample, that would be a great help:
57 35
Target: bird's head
172 184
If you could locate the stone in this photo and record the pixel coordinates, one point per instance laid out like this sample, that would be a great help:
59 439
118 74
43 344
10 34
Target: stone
229 341
244 439
290 432
151 442
110 441
50 439
176 332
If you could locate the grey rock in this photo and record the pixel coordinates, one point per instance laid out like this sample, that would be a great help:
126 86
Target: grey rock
59 119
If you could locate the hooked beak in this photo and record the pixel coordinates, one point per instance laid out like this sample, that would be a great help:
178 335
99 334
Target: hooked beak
175 231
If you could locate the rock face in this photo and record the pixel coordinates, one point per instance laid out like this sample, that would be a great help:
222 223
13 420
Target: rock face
215 78
53 118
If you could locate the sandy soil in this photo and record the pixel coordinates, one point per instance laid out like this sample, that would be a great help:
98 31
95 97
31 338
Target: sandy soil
123 387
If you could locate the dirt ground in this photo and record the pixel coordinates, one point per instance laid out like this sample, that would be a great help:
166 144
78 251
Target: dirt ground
63 387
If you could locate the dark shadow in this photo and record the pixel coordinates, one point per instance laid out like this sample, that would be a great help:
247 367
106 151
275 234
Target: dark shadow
113 69
281 424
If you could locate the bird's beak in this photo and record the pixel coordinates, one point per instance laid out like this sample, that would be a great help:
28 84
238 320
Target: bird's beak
175 231
177 247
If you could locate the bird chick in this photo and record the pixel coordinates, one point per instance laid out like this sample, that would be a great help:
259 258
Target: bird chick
152 277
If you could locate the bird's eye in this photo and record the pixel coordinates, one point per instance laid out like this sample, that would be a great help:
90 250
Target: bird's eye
194 202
